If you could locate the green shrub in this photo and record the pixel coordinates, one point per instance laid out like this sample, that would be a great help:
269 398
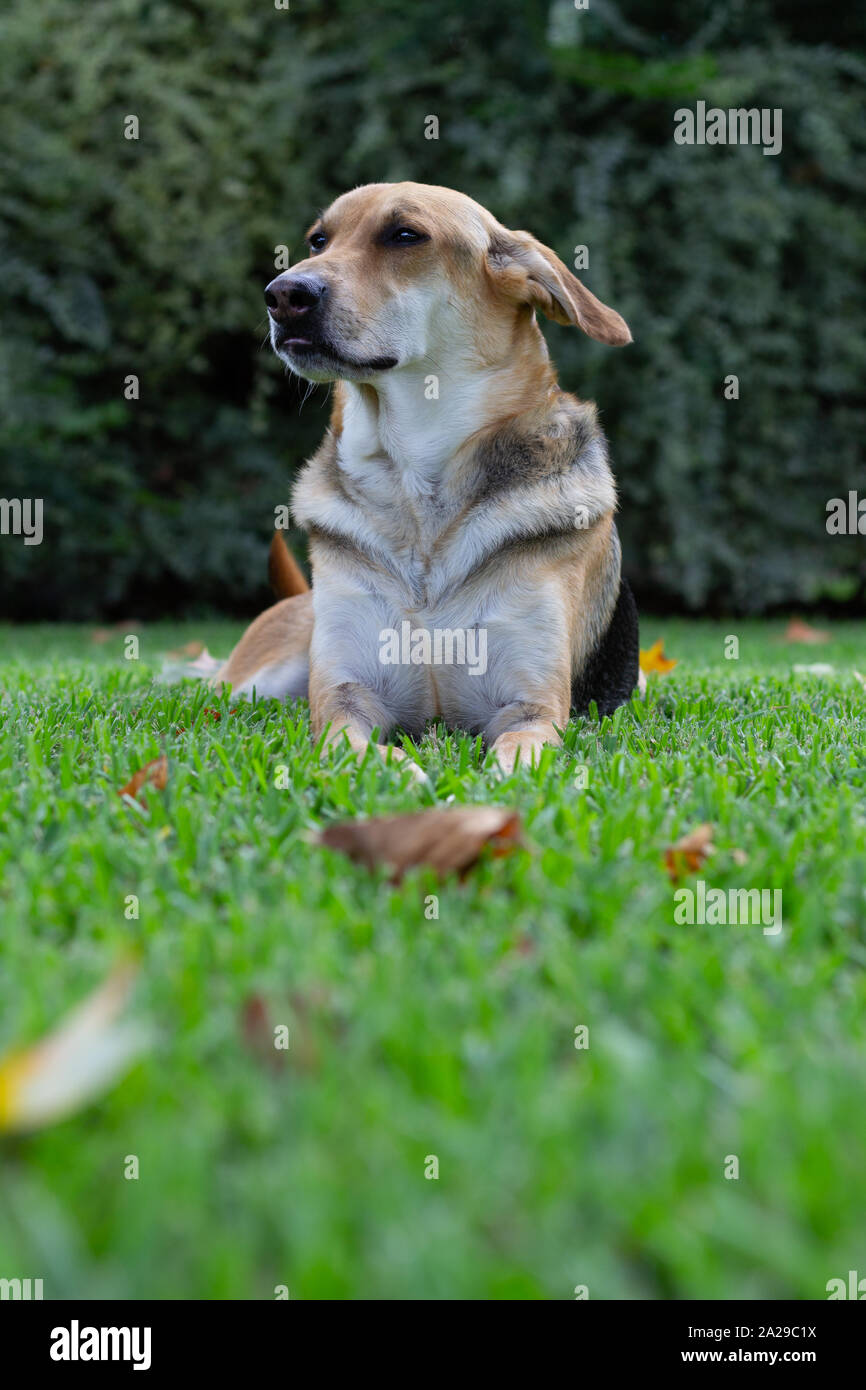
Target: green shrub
149 256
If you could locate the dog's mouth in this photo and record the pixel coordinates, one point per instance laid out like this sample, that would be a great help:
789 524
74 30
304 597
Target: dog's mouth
317 352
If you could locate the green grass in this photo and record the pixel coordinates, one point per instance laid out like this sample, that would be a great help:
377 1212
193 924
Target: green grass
455 1037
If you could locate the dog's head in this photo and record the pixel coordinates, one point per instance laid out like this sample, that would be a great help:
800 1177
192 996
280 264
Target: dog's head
400 274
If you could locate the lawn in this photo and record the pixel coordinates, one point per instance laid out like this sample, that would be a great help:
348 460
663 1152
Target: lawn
454 1037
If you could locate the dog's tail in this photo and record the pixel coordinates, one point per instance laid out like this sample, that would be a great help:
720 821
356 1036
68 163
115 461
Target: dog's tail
284 573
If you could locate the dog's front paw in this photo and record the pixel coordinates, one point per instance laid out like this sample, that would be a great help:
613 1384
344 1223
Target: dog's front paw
517 747
390 754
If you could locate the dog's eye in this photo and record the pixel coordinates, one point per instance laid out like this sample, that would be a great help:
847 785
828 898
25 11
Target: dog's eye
317 241
404 236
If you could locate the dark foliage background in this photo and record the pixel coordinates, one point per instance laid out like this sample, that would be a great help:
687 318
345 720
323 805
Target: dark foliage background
150 256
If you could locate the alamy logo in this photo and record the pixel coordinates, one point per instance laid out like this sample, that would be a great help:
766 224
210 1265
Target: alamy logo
736 126
22 516
856 1288
76 1343
439 646
20 1288
847 518
738 907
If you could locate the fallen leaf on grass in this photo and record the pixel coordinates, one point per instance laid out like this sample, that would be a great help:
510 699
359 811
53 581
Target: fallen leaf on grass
689 853
274 1045
153 774
75 1063
258 1032
654 662
443 839
861 679
797 631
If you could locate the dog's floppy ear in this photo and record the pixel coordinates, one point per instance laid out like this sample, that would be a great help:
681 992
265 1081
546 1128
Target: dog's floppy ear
527 271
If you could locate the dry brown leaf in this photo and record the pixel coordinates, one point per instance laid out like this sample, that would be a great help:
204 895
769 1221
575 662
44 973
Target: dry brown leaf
654 662
99 635
153 774
802 632
443 839
258 1032
689 853
314 1019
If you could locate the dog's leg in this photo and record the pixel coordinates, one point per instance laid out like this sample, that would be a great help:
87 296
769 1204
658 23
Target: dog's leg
528 680
522 729
352 692
349 712
611 671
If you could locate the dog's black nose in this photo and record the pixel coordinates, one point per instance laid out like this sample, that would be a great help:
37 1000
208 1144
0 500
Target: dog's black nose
291 295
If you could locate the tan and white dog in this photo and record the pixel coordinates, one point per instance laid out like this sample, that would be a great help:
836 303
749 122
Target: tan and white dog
460 503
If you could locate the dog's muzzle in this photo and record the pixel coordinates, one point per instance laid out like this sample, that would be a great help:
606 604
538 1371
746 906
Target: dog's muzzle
297 307
295 304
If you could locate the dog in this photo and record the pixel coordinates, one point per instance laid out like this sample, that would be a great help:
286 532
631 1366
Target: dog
458 490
